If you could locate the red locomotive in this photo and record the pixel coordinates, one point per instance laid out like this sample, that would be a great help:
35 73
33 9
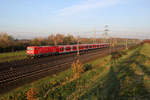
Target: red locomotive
37 51
41 50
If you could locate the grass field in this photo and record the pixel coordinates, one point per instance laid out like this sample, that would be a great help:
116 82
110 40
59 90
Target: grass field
128 79
12 56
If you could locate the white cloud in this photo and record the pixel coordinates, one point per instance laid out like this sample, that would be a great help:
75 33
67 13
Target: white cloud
86 5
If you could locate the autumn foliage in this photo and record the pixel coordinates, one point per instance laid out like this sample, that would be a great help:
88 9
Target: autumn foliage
30 94
77 68
8 43
147 41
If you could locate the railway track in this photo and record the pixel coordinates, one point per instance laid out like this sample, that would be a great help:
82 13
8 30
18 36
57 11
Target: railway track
15 64
20 75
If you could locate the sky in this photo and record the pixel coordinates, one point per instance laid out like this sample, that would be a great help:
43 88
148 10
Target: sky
36 18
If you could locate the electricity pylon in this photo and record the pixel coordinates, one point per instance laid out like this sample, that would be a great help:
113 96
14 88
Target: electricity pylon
94 38
106 30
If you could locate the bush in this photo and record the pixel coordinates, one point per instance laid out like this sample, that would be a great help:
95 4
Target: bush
123 52
87 67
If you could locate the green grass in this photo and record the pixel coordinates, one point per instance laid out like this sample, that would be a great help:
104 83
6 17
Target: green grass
41 86
104 86
12 56
126 80
129 79
45 84
146 50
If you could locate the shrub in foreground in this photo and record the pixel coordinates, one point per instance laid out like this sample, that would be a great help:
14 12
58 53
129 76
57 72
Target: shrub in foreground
87 67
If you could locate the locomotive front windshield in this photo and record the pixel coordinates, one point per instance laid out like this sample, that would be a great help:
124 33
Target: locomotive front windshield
29 48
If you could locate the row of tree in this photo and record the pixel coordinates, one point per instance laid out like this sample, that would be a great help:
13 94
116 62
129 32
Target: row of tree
58 39
8 43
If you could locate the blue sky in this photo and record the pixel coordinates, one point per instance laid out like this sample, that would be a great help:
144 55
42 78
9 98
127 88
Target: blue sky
41 17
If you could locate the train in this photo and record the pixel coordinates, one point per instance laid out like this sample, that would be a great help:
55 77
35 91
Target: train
38 51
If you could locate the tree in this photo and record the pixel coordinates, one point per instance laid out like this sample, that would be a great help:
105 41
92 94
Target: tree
51 40
6 40
37 41
69 40
59 38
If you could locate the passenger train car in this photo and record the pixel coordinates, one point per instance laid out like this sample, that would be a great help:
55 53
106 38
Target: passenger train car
37 51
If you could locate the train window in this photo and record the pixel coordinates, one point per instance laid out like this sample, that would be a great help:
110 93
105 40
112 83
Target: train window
68 48
29 48
74 48
61 49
